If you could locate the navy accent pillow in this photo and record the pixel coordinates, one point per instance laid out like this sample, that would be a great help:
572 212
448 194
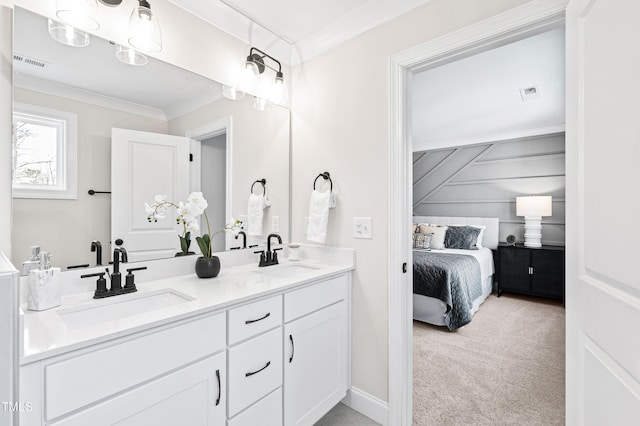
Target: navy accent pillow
462 237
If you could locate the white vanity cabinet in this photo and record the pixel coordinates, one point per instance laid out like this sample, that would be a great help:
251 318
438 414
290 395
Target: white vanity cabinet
153 377
316 350
276 359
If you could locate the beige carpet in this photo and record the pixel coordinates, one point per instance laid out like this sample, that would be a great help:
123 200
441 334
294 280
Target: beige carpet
504 368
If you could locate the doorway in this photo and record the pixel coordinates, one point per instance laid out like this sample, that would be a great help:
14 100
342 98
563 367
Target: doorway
519 23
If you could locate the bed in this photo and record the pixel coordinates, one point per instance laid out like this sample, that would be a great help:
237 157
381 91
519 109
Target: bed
449 284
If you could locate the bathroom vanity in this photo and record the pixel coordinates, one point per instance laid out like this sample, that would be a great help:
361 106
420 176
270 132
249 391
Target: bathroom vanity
268 346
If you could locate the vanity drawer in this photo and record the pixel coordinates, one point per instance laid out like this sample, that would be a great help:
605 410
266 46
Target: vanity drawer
266 412
250 320
75 382
255 369
316 296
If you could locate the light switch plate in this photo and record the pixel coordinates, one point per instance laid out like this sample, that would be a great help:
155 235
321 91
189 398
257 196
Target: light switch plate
275 223
243 218
362 227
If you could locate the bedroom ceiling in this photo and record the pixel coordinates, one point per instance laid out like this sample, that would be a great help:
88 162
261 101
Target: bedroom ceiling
478 98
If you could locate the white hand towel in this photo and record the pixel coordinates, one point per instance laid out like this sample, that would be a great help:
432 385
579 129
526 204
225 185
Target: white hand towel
319 215
255 212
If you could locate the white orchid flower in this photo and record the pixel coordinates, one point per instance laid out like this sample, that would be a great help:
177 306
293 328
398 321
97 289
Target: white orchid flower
197 199
159 199
150 209
184 212
193 225
195 210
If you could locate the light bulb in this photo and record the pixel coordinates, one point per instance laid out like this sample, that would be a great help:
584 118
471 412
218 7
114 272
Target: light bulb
80 14
144 30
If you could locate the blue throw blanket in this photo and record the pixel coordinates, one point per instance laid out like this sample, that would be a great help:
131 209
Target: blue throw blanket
453 278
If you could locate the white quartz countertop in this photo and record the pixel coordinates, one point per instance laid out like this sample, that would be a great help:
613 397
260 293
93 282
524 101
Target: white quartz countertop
48 333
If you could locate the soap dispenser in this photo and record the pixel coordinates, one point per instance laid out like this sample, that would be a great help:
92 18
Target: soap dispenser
44 285
32 263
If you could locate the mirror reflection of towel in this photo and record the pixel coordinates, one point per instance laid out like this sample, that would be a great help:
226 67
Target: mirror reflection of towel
319 206
255 213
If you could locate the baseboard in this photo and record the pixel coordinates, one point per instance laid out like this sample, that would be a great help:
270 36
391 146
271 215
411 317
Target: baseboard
367 405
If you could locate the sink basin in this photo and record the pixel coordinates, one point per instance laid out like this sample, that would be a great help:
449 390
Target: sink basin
286 270
118 307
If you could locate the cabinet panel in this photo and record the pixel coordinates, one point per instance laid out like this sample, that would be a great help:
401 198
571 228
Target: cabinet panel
514 269
548 272
301 302
250 320
315 364
255 369
266 412
191 396
72 383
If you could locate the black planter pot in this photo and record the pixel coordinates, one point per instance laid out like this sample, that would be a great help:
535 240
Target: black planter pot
208 268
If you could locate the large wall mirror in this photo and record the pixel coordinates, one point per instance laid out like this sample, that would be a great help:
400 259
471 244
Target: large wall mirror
236 143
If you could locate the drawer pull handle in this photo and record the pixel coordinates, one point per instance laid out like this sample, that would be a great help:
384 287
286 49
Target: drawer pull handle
293 348
259 319
251 373
219 388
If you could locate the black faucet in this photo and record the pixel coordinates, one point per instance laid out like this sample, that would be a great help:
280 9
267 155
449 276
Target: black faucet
97 247
270 257
244 239
119 255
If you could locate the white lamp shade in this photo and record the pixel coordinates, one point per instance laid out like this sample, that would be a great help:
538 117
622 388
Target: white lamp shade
533 206
78 13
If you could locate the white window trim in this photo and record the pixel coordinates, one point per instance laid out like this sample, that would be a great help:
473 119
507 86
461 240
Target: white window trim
69 189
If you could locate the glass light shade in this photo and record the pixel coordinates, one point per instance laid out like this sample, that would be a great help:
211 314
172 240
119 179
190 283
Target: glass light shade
130 56
67 34
261 104
278 91
232 93
80 14
144 30
533 206
249 78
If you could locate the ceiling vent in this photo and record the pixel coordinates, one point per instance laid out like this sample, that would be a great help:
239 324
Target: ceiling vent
30 61
530 93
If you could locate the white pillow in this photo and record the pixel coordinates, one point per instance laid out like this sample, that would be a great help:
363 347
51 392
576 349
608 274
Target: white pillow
437 241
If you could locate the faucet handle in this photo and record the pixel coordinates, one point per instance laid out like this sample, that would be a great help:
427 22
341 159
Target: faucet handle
101 284
274 258
130 285
263 258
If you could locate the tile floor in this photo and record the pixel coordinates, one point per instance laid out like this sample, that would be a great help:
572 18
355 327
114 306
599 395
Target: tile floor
341 415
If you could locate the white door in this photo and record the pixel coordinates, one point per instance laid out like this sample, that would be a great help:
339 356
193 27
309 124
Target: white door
144 165
603 153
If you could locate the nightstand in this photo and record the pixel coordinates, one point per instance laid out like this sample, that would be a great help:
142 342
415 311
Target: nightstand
532 271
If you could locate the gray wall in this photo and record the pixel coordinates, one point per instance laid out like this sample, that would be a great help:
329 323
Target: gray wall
485 179
214 186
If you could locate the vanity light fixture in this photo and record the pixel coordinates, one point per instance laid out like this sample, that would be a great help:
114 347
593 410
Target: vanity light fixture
80 14
232 93
67 34
251 82
130 56
144 30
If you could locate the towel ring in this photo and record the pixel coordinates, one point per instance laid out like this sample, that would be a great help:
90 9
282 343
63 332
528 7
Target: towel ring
263 182
325 176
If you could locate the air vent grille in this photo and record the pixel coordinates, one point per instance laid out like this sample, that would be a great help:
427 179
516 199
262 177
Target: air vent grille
30 61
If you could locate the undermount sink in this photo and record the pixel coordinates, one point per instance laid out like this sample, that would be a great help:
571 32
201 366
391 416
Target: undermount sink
118 307
286 270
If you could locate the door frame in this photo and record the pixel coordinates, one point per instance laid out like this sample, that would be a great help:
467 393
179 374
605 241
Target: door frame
197 135
517 23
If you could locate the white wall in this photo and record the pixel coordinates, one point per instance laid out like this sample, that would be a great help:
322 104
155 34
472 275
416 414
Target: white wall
340 124
6 135
66 228
214 185
259 149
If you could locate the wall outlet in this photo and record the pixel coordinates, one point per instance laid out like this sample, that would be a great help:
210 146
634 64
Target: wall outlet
275 223
243 218
362 227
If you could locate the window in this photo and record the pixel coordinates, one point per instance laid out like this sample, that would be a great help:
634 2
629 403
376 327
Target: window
44 153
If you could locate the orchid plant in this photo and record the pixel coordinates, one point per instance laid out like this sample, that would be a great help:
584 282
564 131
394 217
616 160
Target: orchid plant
188 216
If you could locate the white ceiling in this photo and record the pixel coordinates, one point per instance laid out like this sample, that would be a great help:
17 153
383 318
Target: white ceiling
477 99
93 74
296 30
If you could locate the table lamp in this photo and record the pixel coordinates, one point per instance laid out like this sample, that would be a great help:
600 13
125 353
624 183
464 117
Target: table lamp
533 208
